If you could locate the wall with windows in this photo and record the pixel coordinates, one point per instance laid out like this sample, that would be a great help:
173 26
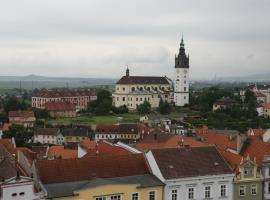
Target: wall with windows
248 190
119 192
200 188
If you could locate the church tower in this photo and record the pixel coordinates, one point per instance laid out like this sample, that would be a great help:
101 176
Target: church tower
181 77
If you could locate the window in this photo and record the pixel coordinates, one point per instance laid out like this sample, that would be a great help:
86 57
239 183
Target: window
100 198
22 193
135 196
246 172
115 197
207 192
124 89
269 187
190 193
152 195
223 191
124 98
14 194
174 194
185 88
253 189
242 190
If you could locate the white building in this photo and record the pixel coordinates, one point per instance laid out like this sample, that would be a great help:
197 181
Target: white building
192 173
48 136
132 91
266 176
181 77
18 188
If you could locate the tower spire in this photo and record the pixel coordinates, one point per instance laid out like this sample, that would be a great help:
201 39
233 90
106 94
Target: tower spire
127 71
182 41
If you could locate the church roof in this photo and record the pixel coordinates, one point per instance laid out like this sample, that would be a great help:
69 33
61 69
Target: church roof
143 80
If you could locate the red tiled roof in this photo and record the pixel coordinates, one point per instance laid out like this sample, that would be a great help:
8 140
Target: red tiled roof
102 148
59 106
259 94
64 93
190 162
163 140
28 153
88 168
60 151
221 140
143 80
232 158
255 147
266 106
23 114
110 128
7 143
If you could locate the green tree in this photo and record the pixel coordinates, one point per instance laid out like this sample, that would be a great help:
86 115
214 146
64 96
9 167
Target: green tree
12 104
144 108
21 135
3 117
164 107
41 113
102 105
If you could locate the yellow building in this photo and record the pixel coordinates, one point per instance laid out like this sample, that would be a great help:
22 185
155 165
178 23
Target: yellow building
134 90
100 177
75 135
120 188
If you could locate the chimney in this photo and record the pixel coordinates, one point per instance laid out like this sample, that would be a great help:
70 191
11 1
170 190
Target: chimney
18 176
155 136
187 147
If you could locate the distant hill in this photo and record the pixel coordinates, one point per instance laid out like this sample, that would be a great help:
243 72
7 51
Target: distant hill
34 81
61 79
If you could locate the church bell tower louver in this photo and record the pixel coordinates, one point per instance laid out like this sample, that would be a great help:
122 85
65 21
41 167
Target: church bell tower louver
181 77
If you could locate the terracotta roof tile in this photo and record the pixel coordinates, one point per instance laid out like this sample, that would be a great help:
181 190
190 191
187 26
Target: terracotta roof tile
59 106
46 131
60 151
163 140
64 93
88 168
23 114
190 162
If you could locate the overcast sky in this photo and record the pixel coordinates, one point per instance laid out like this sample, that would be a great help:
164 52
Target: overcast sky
98 38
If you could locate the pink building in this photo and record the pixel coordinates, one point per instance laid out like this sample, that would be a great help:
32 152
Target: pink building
80 98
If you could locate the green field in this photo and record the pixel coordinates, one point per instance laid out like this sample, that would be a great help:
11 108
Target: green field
87 120
108 119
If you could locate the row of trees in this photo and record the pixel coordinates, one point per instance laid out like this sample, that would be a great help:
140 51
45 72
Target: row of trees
103 105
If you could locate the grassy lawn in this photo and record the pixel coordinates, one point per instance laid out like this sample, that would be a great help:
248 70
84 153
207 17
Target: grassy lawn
88 120
111 119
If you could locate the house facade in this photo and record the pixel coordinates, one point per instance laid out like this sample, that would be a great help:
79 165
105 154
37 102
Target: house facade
223 103
192 173
60 109
266 176
18 188
80 98
118 132
48 136
114 177
75 135
266 110
23 118
248 183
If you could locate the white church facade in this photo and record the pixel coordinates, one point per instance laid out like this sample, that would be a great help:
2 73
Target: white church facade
134 90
